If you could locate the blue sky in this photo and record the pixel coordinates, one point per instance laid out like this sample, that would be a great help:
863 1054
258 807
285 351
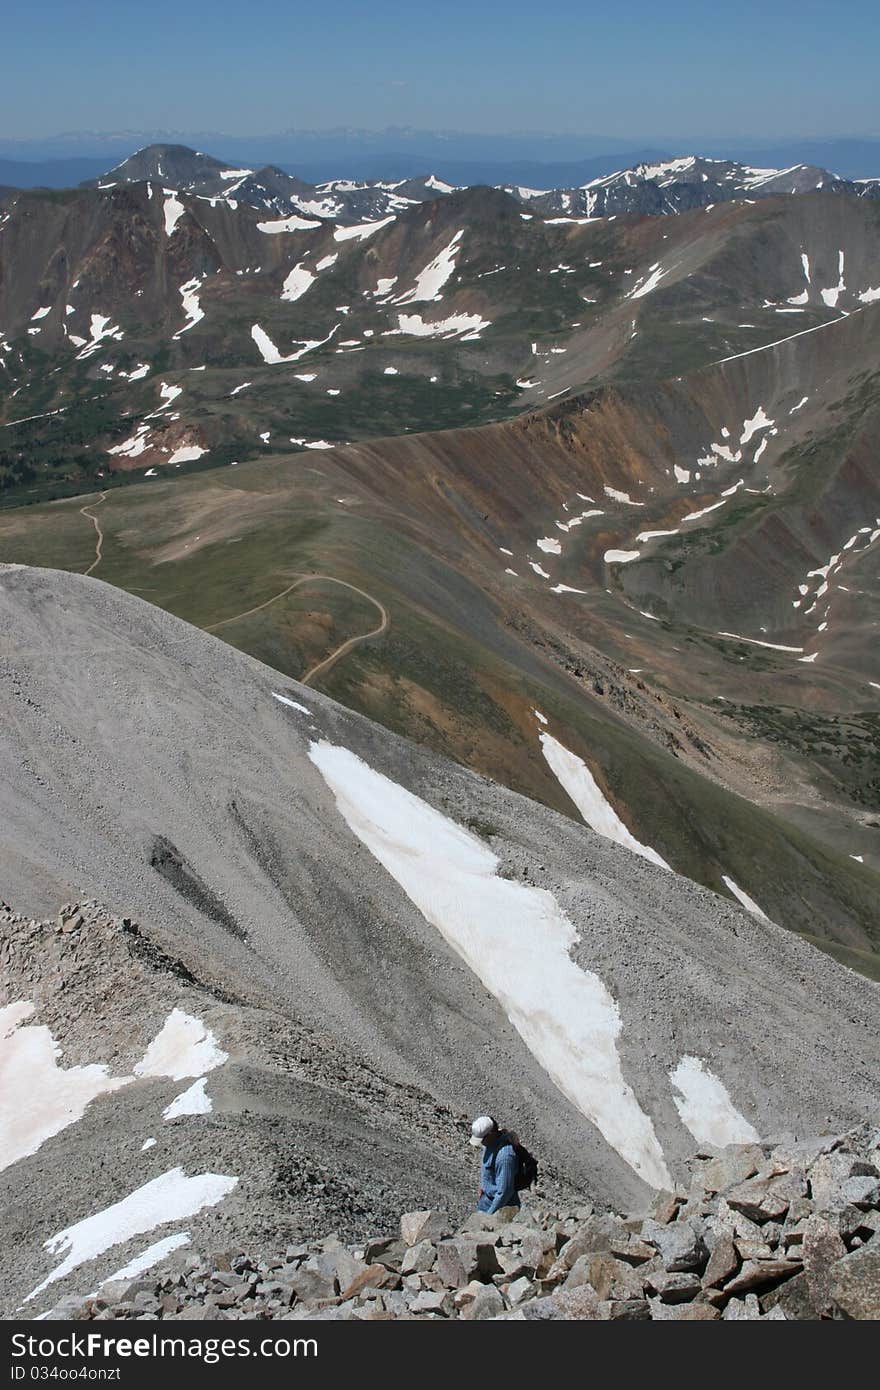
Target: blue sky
634 69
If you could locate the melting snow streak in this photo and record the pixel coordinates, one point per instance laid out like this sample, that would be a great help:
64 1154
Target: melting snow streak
565 1015
705 1107
574 775
171 1197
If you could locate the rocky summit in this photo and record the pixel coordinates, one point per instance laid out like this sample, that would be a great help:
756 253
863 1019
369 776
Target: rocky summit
786 1231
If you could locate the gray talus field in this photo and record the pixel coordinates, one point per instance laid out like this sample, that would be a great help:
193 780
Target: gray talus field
382 941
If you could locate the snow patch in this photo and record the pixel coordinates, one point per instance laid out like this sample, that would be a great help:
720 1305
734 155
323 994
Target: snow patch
433 277
173 211
288 224
442 328
38 1098
361 231
184 1047
705 1108
297 282
193 1101
171 1197
575 777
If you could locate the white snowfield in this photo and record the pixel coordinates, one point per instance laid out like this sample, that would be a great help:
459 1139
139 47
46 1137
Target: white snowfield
171 1197
650 283
430 281
187 453
270 354
183 1048
361 231
191 306
705 1107
565 1015
297 282
193 1101
576 778
173 211
450 327
39 1099
288 224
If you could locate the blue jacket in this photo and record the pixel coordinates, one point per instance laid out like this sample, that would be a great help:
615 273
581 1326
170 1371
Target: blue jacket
498 1175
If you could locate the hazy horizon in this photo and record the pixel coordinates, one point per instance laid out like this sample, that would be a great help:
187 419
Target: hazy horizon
276 67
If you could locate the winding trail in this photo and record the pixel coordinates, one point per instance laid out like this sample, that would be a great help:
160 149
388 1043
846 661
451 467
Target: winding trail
344 647
99 540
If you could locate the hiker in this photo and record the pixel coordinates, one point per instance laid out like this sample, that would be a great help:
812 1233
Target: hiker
500 1165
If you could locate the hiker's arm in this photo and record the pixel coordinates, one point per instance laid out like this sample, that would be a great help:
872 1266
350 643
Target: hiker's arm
505 1178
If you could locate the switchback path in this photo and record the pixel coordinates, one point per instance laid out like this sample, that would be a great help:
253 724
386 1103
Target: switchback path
99 539
344 647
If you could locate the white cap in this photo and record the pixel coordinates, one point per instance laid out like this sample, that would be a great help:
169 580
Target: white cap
482 1125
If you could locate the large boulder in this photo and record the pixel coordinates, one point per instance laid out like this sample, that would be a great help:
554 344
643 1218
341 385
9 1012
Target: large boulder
854 1283
822 1248
681 1244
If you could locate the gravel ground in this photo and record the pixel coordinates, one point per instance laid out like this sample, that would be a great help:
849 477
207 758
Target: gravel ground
144 766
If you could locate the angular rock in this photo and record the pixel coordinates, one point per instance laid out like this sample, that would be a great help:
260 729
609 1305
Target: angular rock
723 1262
827 1176
793 1297
742 1310
338 1266
416 1226
758 1200
633 1251
595 1234
625 1310
862 1192
854 1284
419 1258
492 1221
802 1153
488 1302
372 1250
666 1208
682 1312
463 1296
673 1287
478 1257
310 1286
450 1265
373 1277
755 1273
681 1246
822 1247
732 1166
520 1290
566 1305
428 1302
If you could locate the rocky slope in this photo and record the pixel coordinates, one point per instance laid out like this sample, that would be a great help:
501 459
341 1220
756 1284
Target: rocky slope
784 1232
335 960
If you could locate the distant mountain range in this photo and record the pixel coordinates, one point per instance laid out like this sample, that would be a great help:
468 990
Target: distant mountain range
534 160
664 186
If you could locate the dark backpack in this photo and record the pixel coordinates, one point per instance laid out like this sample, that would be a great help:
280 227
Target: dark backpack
527 1167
